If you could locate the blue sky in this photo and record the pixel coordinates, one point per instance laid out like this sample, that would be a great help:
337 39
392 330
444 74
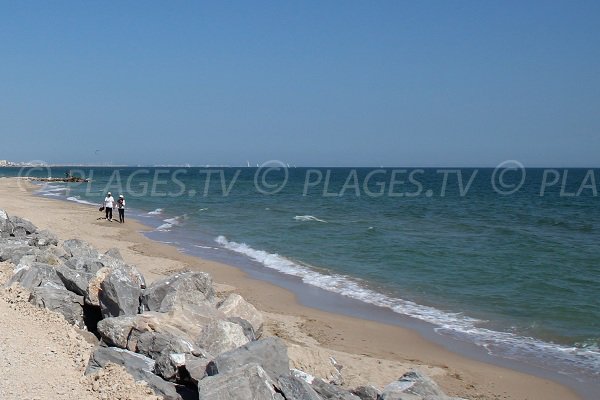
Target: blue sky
333 83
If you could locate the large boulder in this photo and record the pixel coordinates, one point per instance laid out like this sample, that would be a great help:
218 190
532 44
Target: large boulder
5 225
88 265
243 383
196 367
270 353
22 227
234 306
62 301
120 292
367 392
186 290
413 384
13 249
294 388
167 350
220 336
34 275
43 239
94 283
330 391
116 331
79 249
75 281
140 367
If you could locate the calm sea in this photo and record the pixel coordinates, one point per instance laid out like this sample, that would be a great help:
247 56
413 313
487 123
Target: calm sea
509 260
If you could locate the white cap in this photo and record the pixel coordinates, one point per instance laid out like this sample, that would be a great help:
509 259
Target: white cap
121 196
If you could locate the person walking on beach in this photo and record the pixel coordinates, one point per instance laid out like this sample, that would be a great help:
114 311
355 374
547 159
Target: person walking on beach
121 208
109 203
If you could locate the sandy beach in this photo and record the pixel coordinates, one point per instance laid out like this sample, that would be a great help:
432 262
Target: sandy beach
370 352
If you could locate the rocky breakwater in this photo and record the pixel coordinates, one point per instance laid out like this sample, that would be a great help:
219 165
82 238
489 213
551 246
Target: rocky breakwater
174 334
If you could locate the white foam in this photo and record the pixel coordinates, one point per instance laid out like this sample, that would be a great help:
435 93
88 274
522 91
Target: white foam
308 218
78 200
455 324
158 211
171 222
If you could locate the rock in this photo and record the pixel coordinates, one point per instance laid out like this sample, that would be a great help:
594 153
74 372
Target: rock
220 336
139 366
5 225
68 304
270 354
76 282
79 249
46 256
413 383
13 250
116 331
120 292
89 265
329 391
93 290
35 275
168 365
366 392
118 297
235 306
294 388
243 383
246 327
113 253
196 367
167 350
43 239
184 290
23 225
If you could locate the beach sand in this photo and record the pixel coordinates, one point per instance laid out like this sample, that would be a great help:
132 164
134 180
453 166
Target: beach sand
370 352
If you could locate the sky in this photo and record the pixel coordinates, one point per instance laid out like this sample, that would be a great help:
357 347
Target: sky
310 83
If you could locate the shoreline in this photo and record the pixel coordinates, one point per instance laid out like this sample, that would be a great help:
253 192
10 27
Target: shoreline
389 349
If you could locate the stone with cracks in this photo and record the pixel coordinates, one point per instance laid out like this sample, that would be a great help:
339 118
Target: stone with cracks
23 224
13 249
367 392
62 301
44 238
246 327
220 336
5 225
140 367
294 388
93 289
89 265
116 331
79 249
196 367
243 383
235 306
270 353
185 290
119 294
34 275
329 391
414 385
76 282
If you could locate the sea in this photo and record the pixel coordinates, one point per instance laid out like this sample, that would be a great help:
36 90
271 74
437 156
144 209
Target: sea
504 259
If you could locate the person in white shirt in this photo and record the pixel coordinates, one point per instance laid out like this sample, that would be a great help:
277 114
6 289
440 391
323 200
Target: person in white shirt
109 203
121 208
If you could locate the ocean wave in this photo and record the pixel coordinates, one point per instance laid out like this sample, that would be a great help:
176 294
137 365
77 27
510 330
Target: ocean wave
158 211
76 199
458 325
308 218
171 222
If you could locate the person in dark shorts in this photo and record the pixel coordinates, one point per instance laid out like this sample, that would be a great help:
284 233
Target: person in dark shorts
121 208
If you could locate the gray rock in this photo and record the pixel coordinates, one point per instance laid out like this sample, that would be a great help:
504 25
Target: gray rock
243 383
5 225
196 367
152 344
270 354
235 306
22 224
329 391
140 367
46 256
119 295
44 238
79 249
294 388
76 282
178 291
35 275
68 304
113 253
116 331
88 265
246 327
219 336
413 383
366 392
13 250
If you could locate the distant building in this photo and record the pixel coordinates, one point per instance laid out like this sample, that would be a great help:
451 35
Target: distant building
4 163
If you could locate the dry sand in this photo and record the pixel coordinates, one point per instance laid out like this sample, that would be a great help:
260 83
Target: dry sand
369 352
